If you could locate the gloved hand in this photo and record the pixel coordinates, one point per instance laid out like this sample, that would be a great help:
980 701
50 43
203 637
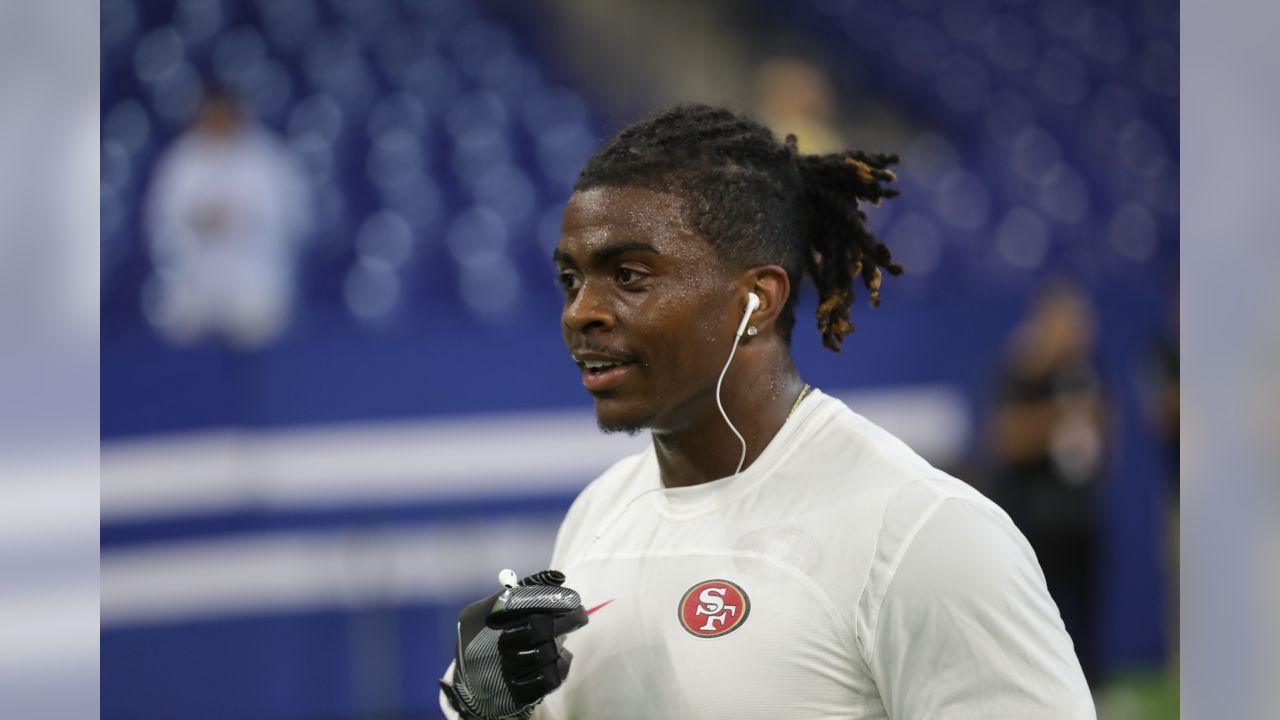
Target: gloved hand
510 650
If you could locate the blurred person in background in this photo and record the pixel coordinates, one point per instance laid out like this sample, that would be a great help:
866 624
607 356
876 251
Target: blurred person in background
226 210
795 95
1164 413
1049 441
857 580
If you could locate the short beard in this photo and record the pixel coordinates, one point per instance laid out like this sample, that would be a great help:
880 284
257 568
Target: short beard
631 429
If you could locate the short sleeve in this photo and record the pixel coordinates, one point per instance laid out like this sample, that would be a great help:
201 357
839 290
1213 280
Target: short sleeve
966 628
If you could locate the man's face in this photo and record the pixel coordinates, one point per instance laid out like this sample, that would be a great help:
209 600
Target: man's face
648 298
220 117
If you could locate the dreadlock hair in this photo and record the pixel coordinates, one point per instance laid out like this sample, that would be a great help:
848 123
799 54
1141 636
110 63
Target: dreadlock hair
760 201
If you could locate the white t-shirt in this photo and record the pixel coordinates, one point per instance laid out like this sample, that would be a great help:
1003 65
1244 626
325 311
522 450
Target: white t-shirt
839 576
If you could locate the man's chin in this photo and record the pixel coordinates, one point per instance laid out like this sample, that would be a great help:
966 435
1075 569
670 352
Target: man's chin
612 420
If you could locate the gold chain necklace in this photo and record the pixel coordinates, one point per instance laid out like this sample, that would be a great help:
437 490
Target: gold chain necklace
803 391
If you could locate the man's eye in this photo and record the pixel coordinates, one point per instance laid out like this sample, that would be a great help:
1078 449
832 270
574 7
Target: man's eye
568 281
627 275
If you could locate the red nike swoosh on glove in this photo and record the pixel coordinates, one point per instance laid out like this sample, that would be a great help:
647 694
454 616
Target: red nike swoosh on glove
606 602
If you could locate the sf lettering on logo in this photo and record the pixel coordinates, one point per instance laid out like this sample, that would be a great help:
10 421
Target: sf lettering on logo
712 600
713 608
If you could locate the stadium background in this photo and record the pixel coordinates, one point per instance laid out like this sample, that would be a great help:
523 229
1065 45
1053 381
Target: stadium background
289 532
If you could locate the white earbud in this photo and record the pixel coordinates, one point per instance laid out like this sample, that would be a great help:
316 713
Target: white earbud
753 302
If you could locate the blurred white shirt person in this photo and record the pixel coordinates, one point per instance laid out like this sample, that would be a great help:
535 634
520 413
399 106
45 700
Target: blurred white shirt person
225 212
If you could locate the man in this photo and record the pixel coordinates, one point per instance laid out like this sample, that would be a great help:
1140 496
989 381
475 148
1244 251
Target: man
226 210
772 554
1049 439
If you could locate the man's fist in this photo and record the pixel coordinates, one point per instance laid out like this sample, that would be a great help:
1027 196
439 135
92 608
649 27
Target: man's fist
510 650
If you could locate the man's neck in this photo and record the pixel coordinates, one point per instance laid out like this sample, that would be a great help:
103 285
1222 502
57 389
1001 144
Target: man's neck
707 449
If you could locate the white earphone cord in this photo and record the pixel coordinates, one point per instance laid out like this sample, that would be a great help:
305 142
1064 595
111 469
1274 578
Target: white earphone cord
720 405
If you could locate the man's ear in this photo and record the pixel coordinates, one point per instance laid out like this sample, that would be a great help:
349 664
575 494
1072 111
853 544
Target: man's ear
771 284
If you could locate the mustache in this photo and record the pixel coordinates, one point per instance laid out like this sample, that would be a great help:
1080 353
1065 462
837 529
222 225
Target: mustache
584 346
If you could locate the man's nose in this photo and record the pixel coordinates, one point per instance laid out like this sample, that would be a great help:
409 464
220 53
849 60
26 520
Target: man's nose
588 311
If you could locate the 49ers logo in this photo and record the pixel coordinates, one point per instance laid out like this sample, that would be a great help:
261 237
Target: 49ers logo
713 608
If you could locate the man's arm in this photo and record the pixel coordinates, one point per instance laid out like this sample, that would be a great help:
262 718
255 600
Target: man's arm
574 530
445 706
509 653
966 628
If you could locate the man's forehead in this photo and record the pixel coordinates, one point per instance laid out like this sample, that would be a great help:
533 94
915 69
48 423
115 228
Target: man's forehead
607 215
626 207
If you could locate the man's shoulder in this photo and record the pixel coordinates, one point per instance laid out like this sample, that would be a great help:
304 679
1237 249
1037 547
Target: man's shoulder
850 460
612 483
853 452
613 486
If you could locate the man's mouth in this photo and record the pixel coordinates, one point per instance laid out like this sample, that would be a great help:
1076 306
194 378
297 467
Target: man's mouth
595 367
600 374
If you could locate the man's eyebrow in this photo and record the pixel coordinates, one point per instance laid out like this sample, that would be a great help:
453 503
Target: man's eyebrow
607 253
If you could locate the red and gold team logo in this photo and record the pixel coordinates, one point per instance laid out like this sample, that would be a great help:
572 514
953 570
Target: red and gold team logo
713 608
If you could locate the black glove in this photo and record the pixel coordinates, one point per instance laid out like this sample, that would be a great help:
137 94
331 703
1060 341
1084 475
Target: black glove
510 649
